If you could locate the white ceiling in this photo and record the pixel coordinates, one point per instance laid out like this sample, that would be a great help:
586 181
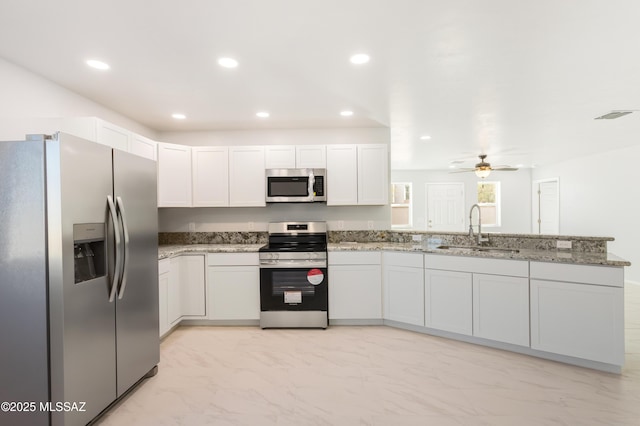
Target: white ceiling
519 80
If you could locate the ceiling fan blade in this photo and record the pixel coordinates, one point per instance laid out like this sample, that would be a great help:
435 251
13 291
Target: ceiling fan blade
504 169
463 171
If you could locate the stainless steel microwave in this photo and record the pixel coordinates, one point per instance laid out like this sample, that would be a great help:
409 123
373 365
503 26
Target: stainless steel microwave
296 185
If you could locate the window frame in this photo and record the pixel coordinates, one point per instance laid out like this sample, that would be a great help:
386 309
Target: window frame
410 205
497 204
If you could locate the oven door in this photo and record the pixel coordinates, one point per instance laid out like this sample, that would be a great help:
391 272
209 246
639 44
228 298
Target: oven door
293 289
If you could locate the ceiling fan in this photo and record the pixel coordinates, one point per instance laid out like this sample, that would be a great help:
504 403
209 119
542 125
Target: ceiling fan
483 169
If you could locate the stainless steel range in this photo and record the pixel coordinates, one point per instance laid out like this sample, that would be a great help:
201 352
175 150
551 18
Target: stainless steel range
293 276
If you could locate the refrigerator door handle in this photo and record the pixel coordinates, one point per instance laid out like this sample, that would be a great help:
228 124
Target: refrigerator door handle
116 232
125 263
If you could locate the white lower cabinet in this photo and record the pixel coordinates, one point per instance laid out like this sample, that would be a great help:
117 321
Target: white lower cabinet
583 320
181 290
403 288
164 270
174 307
192 285
501 308
233 286
448 301
355 285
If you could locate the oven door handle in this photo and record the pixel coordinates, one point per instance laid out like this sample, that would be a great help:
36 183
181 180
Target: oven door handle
292 265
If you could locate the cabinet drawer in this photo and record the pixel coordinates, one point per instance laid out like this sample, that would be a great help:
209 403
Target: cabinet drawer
164 266
481 265
599 275
411 260
232 259
355 258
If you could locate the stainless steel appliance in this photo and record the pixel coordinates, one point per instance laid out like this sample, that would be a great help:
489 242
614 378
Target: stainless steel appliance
78 277
294 290
296 185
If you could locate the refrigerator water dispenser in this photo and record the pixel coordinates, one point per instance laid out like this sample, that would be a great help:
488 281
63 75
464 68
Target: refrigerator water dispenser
89 254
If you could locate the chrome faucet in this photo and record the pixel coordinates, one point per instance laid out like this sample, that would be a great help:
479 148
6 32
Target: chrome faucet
480 239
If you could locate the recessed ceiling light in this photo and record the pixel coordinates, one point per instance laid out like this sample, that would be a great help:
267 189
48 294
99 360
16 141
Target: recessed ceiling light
346 113
425 137
99 65
262 114
359 59
178 116
227 62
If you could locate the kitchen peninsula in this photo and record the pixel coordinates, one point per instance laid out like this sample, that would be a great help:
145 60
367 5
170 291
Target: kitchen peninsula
518 292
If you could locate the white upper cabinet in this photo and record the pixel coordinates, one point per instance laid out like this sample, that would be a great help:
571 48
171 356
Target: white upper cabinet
144 147
373 174
311 156
357 175
246 176
342 175
280 157
112 135
174 175
210 172
295 156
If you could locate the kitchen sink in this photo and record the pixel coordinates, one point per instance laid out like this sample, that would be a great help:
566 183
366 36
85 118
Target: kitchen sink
480 248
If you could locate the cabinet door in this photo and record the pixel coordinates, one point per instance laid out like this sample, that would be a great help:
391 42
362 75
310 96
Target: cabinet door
210 172
192 285
501 308
280 157
579 320
373 174
234 293
174 175
342 175
404 294
174 305
448 301
144 147
311 156
355 292
246 176
112 135
163 289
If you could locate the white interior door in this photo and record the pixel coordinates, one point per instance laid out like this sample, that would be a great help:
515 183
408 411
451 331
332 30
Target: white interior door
445 206
546 207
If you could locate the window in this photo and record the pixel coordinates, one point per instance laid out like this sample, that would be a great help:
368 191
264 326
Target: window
401 206
489 202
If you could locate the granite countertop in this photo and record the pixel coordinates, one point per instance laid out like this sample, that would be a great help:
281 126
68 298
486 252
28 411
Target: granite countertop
560 256
608 259
165 252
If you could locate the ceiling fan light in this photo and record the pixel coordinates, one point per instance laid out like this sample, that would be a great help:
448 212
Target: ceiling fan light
482 173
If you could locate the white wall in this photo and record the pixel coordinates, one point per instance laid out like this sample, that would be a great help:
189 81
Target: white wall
515 188
25 95
599 197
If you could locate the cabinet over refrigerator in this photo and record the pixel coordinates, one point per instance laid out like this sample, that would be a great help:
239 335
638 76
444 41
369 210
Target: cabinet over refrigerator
78 277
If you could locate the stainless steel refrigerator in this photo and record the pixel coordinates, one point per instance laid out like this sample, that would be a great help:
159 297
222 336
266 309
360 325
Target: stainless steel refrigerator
78 278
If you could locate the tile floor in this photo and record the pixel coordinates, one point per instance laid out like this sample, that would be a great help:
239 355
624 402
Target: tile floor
373 376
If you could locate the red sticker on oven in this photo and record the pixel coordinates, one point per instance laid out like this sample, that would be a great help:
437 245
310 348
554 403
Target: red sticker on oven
315 276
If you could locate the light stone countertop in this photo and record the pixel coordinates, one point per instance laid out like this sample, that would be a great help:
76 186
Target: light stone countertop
607 259
165 252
